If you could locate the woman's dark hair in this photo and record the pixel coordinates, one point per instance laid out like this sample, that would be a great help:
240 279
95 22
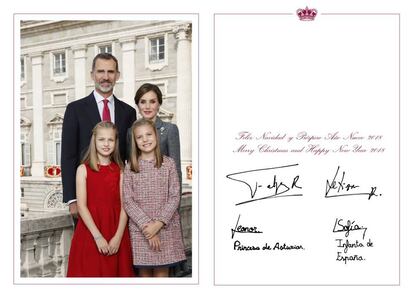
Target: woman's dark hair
145 88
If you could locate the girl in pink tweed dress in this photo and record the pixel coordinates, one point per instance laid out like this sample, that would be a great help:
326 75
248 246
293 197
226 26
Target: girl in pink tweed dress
151 195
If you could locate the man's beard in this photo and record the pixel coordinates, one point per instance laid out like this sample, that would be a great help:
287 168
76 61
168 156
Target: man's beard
104 89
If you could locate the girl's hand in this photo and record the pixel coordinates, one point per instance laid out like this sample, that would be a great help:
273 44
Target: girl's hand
155 243
152 228
102 245
113 245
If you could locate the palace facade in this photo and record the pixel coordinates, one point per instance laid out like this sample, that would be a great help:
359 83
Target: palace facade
55 64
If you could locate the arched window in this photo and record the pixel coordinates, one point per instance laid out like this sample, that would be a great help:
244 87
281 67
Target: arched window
55 140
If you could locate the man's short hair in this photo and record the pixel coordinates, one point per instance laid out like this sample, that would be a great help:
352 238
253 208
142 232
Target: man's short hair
104 56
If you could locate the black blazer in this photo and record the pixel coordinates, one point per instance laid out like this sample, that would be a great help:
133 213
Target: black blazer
80 118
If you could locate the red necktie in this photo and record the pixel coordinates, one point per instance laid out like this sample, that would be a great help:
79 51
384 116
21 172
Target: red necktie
106 115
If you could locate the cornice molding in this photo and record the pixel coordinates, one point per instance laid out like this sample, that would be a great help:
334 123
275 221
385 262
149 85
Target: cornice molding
138 30
30 28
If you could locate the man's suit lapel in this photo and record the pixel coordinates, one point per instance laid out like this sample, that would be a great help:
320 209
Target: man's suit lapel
92 110
118 113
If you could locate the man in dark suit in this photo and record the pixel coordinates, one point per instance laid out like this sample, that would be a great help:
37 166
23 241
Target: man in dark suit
83 114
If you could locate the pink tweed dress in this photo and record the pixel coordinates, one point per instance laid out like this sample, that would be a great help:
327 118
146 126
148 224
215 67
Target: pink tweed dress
154 194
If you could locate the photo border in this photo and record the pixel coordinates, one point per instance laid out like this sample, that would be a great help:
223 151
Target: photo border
195 61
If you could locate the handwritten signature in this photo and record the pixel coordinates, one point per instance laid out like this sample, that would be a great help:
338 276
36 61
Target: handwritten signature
268 183
349 226
338 187
241 229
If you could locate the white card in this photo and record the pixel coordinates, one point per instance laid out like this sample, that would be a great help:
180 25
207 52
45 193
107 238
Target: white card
307 149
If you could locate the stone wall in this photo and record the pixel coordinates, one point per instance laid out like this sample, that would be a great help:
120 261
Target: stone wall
45 243
42 193
47 228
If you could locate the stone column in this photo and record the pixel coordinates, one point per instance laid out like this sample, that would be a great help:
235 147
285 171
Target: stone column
28 263
79 53
128 69
42 248
38 162
184 95
56 252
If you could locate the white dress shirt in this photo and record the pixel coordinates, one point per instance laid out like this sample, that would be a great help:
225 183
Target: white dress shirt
111 104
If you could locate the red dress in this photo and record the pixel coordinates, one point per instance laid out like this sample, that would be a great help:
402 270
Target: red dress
104 204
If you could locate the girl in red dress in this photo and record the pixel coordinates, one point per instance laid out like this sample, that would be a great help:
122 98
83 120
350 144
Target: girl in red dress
100 244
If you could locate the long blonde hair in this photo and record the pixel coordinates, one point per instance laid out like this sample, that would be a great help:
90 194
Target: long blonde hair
91 155
136 152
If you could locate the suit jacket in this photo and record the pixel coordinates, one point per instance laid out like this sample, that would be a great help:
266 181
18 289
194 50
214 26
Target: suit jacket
169 140
80 118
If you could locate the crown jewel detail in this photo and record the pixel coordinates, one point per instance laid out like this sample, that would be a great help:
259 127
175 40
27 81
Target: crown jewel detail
306 14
